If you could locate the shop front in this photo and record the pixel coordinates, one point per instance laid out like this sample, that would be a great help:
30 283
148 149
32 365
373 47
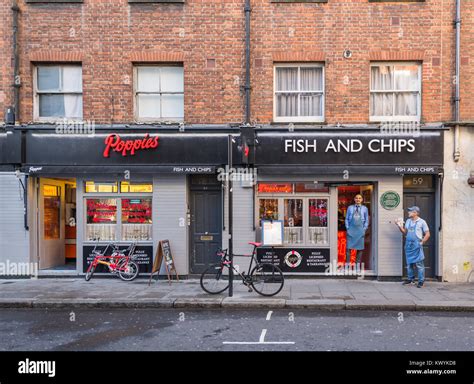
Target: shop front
122 188
307 181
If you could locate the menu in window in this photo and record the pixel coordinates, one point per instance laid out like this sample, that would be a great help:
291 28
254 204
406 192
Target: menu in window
101 211
272 232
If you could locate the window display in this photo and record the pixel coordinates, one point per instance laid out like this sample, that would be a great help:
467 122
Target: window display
136 219
318 221
268 209
101 219
293 221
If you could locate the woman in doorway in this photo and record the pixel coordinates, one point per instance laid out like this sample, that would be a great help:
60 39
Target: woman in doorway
357 222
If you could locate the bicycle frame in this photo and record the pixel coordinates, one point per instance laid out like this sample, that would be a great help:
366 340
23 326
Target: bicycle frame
225 261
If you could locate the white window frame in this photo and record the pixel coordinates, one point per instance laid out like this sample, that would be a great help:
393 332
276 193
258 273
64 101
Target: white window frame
298 119
135 94
417 118
37 93
281 213
119 196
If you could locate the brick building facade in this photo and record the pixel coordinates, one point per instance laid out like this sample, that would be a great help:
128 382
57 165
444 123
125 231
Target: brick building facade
346 45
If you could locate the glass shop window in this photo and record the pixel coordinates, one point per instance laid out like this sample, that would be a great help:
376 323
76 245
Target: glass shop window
293 221
101 219
131 187
52 212
268 209
101 187
318 221
136 219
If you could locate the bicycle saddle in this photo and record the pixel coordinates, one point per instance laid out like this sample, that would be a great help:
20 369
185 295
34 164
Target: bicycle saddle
255 244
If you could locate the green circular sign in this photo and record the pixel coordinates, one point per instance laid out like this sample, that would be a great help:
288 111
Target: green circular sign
390 200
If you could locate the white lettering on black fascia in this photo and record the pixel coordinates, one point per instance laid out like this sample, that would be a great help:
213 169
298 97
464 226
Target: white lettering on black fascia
299 146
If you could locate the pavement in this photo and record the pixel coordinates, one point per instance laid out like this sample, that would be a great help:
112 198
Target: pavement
297 293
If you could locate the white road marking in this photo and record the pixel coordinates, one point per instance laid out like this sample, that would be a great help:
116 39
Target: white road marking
269 315
260 342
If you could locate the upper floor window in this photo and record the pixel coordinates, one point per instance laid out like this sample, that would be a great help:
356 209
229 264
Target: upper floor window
299 93
159 93
395 92
58 92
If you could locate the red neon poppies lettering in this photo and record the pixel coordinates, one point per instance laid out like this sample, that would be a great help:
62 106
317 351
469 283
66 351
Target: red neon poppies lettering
128 147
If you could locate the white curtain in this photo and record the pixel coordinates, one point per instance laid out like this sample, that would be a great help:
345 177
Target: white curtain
381 104
308 101
398 81
73 106
148 79
381 78
72 79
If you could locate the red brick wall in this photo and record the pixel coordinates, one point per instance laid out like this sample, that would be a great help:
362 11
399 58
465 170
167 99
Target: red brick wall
6 52
108 35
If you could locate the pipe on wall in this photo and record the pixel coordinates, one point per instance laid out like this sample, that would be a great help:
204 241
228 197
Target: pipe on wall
457 97
16 62
247 10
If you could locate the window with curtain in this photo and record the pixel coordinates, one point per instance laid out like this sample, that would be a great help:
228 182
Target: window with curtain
395 92
159 93
58 92
299 93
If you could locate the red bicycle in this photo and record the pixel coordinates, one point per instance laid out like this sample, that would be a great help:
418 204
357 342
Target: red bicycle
120 262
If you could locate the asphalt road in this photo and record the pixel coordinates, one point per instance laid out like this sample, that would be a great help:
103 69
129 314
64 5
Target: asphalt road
219 330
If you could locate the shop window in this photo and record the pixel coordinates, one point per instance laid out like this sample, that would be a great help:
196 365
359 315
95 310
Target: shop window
293 221
304 213
395 92
299 93
136 219
52 212
101 187
268 209
58 92
159 93
101 219
130 187
318 221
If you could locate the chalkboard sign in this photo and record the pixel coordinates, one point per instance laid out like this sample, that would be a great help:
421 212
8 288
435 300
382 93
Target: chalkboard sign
164 252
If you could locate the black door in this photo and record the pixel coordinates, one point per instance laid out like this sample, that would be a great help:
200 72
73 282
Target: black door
206 225
426 202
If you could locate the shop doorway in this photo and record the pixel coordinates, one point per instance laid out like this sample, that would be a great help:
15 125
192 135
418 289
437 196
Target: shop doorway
56 224
426 202
206 221
345 198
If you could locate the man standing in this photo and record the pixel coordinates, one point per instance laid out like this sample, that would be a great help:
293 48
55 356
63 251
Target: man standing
417 234
357 222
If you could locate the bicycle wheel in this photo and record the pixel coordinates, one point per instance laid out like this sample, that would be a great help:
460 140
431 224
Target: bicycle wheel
129 271
90 271
267 279
213 281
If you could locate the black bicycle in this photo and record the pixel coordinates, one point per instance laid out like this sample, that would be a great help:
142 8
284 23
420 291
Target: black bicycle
265 278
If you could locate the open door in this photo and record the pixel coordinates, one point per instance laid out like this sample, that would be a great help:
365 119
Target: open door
51 223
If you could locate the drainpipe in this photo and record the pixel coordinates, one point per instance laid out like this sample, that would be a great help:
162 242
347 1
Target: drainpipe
247 10
457 98
16 62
